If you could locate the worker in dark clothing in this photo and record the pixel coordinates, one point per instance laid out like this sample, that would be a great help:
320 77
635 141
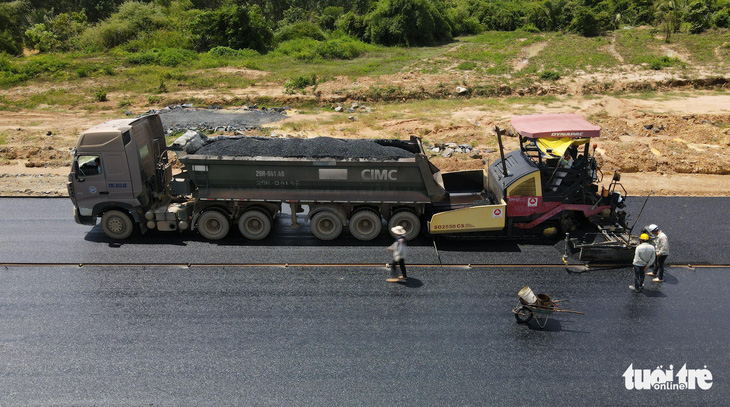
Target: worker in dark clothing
399 253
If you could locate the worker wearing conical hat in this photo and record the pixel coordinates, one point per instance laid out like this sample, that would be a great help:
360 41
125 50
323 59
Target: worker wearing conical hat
399 253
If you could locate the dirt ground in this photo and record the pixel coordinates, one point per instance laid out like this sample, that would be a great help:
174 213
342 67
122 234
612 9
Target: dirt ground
675 143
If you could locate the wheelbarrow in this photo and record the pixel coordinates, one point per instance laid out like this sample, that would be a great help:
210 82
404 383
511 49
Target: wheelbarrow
539 307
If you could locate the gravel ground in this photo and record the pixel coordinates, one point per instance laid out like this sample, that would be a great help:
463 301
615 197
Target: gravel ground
320 147
178 118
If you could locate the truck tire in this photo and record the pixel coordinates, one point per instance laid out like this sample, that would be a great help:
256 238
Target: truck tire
326 225
408 220
213 225
254 225
117 224
365 225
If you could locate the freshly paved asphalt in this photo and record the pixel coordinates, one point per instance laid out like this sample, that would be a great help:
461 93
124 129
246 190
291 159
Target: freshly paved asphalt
222 335
43 230
341 337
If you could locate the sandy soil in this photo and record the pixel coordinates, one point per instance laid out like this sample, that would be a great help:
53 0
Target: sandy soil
676 143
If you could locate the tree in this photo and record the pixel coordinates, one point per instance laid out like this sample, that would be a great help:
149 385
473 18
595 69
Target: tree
669 16
554 14
407 22
233 26
12 19
59 33
697 16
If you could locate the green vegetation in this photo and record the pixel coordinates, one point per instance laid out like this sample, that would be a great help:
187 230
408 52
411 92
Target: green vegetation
145 52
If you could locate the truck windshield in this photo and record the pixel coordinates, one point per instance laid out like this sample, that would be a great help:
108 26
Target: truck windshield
88 165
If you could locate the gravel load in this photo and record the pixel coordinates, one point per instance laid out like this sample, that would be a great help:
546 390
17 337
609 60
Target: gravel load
181 118
314 148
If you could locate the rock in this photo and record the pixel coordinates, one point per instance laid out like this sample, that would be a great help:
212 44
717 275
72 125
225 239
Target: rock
648 126
461 90
447 153
436 150
338 109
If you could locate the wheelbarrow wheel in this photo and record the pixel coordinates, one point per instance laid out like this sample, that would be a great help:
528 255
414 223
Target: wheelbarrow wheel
523 315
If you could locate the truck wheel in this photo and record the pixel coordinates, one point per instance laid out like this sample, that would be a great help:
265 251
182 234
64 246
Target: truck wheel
408 220
213 225
117 225
365 225
254 225
326 225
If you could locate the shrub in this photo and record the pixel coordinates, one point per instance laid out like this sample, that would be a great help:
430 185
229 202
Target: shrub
100 95
342 48
301 82
352 24
329 17
663 62
407 22
43 64
722 18
463 22
300 29
12 16
232 26
150 25
549 75
164 57
59 33
304 49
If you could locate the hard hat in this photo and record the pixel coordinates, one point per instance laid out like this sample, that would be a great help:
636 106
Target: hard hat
644 237
398 230
652 228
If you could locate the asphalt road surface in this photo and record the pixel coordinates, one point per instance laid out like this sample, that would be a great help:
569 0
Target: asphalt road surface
339 335
43 231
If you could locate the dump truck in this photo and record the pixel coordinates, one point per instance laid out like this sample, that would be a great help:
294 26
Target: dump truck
122 174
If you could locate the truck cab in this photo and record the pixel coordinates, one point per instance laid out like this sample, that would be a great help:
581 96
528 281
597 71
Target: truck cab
118 169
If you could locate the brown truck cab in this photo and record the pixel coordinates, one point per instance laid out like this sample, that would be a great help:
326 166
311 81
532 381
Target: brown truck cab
115 173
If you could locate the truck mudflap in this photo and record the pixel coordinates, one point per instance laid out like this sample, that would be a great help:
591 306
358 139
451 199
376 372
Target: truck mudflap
83 220
482 218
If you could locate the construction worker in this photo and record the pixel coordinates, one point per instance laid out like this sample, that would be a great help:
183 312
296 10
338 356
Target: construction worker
661 246
644 256
399 253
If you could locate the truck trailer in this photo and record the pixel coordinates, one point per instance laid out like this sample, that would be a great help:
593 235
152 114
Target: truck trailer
122 174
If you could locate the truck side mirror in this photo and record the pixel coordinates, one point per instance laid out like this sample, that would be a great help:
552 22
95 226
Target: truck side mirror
617 176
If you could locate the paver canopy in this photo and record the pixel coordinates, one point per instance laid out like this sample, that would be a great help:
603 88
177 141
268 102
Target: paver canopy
554 126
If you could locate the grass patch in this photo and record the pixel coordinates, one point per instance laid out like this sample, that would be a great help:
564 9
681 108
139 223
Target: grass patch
639 47
586 54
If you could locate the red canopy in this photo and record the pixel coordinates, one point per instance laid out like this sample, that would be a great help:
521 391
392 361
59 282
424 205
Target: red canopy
555 126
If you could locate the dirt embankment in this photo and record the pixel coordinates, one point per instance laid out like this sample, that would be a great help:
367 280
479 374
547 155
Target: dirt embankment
672 144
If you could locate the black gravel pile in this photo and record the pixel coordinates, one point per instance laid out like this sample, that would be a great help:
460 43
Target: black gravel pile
320 147
178 119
